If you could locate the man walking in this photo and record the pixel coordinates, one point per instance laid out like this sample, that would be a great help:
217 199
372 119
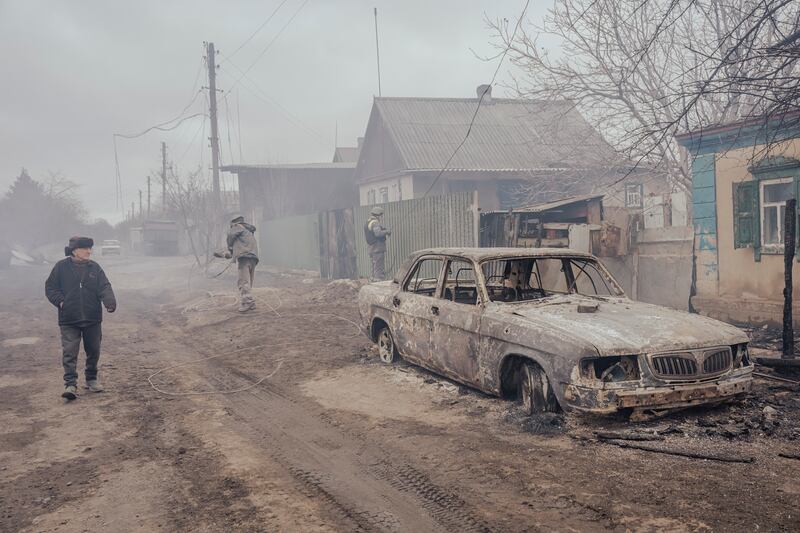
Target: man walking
77 286
376 235
242 246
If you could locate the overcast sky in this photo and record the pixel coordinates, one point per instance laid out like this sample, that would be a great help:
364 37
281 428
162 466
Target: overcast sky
77 71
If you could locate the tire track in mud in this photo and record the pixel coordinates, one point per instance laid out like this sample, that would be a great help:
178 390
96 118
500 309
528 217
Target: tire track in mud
361 488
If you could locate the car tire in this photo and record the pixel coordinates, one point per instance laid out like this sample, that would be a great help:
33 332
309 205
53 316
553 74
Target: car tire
387 351
534 390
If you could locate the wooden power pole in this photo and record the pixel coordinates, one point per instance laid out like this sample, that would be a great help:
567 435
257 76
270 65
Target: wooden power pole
211 61
789 243
141 213
148 196
164 177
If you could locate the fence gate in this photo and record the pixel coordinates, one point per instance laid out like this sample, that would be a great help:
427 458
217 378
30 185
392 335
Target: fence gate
337 247
450 220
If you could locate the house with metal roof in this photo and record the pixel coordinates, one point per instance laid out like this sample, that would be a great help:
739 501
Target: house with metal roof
517 153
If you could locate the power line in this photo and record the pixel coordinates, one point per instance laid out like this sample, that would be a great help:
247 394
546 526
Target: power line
480 100
160 127
269 45
228 125
239 127
261 27
266 98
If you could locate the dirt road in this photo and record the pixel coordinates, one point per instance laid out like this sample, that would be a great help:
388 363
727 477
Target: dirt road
331 440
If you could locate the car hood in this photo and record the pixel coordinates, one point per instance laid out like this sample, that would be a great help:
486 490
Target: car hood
620 326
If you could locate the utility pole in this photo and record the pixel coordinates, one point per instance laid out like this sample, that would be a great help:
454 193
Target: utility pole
377 52
148 196
141 213
164 177
133 210
211 61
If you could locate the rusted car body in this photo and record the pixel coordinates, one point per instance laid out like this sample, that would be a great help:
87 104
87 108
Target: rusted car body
486 316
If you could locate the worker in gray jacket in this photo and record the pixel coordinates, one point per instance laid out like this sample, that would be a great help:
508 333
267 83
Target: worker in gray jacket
243 248
376 234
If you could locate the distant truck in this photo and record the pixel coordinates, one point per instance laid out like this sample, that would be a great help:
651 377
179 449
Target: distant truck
110 247
160 237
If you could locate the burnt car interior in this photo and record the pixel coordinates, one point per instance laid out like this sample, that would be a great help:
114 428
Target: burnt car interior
460 285
425 278
530 278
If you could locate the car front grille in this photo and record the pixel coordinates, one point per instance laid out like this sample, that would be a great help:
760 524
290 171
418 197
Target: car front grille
674 365
717 361
697 364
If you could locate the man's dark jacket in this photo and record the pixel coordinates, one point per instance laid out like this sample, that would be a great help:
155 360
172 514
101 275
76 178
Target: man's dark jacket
82 290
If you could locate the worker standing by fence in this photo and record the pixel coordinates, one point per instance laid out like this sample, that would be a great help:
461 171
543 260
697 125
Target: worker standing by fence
375 234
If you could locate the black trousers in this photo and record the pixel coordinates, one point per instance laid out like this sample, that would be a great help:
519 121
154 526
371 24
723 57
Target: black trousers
71 345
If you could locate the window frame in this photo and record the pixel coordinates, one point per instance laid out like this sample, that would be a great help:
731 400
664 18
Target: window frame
636 191
413 270
772 248
449 260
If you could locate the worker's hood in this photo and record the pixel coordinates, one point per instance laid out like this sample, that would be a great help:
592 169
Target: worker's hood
248 227
618 326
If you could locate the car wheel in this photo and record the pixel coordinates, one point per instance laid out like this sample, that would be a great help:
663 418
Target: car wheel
386 348
534 390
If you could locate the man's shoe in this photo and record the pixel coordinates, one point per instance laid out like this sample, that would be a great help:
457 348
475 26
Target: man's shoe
244 307
70 392
94 386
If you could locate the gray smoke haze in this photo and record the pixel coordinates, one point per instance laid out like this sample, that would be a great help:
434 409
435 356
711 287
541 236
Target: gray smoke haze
76 72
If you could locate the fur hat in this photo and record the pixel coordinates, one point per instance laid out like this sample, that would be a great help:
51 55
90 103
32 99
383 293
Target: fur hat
237 219
78 242
376 211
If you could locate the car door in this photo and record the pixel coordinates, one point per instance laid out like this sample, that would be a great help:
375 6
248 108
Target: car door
455 341
413 314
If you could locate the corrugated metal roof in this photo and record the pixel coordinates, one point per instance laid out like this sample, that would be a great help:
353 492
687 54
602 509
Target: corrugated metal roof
235 169
559 203
507 134
346 154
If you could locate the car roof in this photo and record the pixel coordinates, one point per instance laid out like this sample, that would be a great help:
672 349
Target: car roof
481 254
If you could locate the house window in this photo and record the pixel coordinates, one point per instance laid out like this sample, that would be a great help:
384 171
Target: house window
384 195
371 197
633 195
774 194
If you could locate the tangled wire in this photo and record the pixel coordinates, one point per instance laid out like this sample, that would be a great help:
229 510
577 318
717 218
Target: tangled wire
214 301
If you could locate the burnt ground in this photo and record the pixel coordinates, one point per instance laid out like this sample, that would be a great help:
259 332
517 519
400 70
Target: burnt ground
331 440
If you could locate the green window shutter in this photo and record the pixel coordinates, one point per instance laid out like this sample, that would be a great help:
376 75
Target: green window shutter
745 213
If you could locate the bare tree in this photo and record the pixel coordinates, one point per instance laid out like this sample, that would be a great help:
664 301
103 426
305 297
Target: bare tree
193 203
642 70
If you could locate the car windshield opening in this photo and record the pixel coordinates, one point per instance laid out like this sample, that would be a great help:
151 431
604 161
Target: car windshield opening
533 278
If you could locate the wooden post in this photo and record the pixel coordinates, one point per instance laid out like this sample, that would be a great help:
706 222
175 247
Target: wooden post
789 231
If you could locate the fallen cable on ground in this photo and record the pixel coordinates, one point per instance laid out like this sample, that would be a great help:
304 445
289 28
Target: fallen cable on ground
776 378
615 435
681 453
216 305
789 455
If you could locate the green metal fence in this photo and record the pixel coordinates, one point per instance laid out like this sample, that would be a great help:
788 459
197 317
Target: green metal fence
291 242
294 242
429 222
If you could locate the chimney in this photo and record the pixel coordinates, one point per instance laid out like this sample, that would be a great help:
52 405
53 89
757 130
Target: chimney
485 91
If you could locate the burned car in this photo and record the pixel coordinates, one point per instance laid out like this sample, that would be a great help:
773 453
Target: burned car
551 328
